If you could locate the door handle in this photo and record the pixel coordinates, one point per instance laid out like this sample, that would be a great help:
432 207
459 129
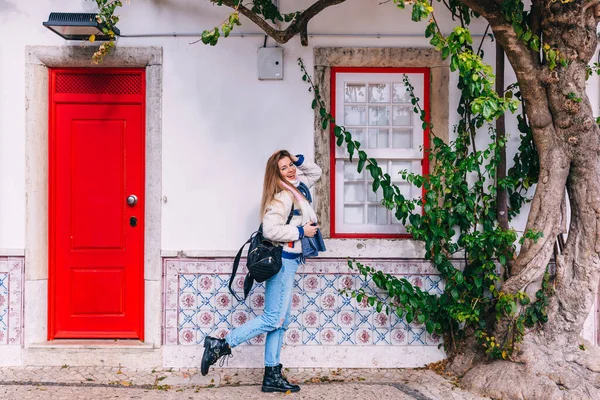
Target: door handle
132 200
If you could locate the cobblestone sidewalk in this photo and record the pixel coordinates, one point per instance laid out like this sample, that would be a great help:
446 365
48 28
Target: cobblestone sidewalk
158 383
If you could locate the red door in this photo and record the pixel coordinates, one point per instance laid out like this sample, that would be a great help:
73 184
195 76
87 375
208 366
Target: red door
96 193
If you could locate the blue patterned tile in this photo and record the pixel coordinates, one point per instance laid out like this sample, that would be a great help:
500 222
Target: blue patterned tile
329 300
416 336
380 320
363 318
364 336
295 318
187 319
329 282
311 318
381 336
346 337
293 336
434 284
347 318
399 336
328 335
320 314
187 283
310 336
328 319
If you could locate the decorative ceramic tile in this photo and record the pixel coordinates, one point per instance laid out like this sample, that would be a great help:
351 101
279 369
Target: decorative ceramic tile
346 337
4 308
11 300
293 336
399 336
381 337
364 336
198 303
416 336
311 336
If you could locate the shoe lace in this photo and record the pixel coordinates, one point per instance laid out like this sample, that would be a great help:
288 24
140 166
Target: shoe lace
225 359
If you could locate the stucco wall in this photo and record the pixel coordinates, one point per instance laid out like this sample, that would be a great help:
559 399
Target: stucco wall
219 122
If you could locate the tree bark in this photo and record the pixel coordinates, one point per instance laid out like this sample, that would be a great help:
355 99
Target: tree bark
551 363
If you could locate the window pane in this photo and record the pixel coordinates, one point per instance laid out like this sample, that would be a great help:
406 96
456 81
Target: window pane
379 115
355 115
374 196
406 190
402 116
378 138
354 192
357 134
400 94
350 172
353 214
355 93
398 166
379 93
377 215
402 138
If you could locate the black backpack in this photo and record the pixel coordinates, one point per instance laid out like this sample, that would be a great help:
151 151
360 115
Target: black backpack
263 260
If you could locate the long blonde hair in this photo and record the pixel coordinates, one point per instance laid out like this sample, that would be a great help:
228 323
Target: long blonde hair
273 180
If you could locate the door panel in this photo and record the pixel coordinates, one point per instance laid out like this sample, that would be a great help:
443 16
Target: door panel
96 255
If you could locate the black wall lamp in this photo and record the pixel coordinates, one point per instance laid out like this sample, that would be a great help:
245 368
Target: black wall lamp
77 26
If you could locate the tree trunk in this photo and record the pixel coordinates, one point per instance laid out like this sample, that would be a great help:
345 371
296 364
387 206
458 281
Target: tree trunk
553 361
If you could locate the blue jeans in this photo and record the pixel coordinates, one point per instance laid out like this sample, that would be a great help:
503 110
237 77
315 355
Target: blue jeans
276 316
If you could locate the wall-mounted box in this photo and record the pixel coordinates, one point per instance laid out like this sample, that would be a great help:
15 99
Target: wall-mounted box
270 63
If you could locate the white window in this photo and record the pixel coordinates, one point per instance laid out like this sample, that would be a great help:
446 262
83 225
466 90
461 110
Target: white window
374 105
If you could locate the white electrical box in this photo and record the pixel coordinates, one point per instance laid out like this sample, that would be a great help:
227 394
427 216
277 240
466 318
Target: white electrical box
270 63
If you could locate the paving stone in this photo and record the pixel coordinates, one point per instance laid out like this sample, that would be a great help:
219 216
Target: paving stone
317 383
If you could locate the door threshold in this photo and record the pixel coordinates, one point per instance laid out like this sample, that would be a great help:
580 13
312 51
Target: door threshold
91 344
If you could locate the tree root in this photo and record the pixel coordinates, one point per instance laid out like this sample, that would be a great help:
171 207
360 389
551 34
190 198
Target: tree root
546 371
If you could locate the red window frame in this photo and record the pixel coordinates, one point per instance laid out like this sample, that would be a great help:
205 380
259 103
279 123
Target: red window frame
332 143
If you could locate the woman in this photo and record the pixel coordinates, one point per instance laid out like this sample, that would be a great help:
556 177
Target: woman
282 189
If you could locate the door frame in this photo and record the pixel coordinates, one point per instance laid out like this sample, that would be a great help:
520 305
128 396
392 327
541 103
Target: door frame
52 210
37 61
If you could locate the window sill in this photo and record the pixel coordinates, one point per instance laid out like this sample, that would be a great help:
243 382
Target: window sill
373 248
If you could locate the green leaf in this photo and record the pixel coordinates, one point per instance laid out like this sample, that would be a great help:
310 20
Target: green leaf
429 326
445 52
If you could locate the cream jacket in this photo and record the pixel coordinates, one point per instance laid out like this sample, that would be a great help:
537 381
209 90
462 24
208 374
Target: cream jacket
274 220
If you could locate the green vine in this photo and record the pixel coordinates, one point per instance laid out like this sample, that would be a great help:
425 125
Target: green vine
459 219
107 19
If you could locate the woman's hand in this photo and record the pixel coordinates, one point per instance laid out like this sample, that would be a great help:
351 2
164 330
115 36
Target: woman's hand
310 230
293 158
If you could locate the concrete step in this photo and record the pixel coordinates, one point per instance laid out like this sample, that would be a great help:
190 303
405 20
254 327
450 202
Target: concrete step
112 353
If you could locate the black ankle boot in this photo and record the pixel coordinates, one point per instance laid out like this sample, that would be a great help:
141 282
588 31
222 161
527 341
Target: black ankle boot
274 382
295 387
213 350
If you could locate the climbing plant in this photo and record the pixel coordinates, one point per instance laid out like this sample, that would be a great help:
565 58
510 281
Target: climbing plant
502 286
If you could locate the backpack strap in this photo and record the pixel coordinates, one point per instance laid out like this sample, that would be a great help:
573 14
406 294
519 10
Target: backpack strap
248 282
236 263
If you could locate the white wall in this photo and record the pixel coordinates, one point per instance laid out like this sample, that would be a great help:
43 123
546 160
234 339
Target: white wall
219 122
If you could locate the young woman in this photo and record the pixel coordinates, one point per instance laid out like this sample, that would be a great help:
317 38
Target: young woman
282 188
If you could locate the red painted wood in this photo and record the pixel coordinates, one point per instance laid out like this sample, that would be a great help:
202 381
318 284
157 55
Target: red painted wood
97 141
332 143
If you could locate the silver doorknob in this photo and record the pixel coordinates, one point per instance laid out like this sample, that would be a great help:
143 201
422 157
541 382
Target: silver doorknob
132 200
